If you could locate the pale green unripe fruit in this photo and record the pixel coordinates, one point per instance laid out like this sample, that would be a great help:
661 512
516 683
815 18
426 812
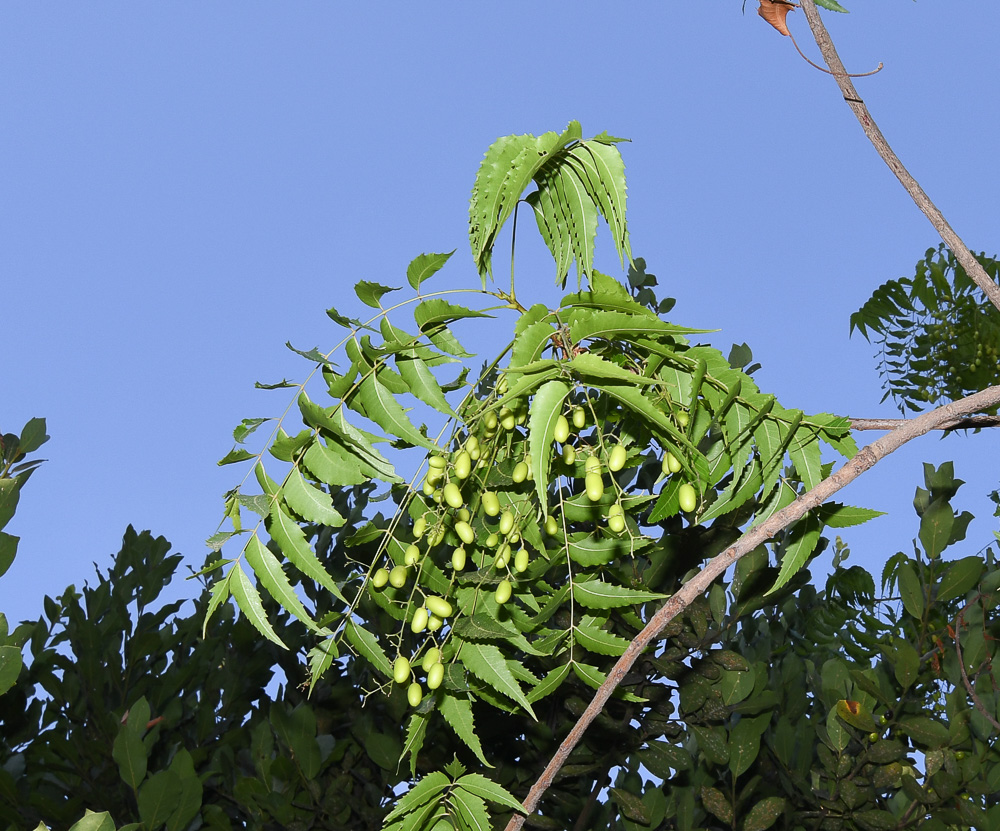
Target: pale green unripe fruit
594 485
414 693
579 418
683 419
617 457
490 503
561 431
492 540
687 496
380 578
411 556
472 447
507 419
490 421
463 514
521 560
419 622
503 592
520 472
437 462
569 454
458 559
506 522
435 675
551 526
428 488
465 532
670 464
463 464
397 577
592 464
439 606
431 657
453 496
419 527
434 623
400 670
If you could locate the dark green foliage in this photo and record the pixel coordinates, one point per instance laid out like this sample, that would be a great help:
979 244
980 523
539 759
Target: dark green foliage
938 337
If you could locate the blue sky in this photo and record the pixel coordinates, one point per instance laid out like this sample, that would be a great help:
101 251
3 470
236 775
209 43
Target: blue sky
187 186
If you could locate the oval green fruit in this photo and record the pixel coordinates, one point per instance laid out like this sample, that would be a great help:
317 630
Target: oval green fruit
419 526
617 457
428 488
463 464
670 463
465 532
490 503
493 540
434 623
419 622
507 419
453 496
520 472
490 421
411 556
397 577
521 560
579 418
458 559
683 419
506 522
435 675
431 657
594 485
439 606
414 694
616 524
569 454
561 431
380 578
463 514
592 464
400 670
687 496
503 592
551 526
437 462
472 447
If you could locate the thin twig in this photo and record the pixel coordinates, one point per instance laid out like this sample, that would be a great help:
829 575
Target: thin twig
923 201
865 459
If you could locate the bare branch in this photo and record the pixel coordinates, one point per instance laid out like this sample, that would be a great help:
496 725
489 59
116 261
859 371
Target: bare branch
923 201
865 459
967 423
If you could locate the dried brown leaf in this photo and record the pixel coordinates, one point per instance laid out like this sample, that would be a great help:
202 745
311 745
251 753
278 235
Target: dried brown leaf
775 12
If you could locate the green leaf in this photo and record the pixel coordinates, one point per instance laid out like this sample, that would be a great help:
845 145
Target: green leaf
744 742
10 667
416 732
292 542
598 640
601 169
471 810
832 5
8 550
431 314
835 515
425 266
367 645
594 678
423 792
310 503
248 600
566 218
382 407
422 382
550 683
910 591
805 535
237 454
546 408
935 527
457 711
90 822
333 464
717 804
349 437
596 594
487 663
764 814
960 577
906 665
925 731
158 797
33 436
371 293
273 578
129 753
476 783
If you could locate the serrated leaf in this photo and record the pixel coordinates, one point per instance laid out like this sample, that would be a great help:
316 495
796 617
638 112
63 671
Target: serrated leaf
433 313
416 732
567 219
371 293
835 515
476 783
355 441
237 454
310 503
248 600
487 663
471 810
601 170
457 711
422 383
423 792
333 464
219 593
832 5
546 408
598 640
596 594
292 542
550 683
594 678
367 645
425 266
382 407
805 535
273 578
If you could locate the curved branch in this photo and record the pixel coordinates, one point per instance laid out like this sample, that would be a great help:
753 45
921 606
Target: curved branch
965 423
923 201
865 459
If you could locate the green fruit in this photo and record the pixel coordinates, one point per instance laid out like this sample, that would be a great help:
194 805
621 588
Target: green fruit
439 606
419 622
616 459
670 464
414 693
873 737
503 592
463 514
472 447
436 536
490 503
380 578
594 485
688 497
400 670
506 522
551 526
397 577
507 419
431 657
503 555
521 560
520 472
490 421
683 419
434 623
579 418
428 488
463 464
435 675
493 540
437 462
411 556
616 524
453 496
561 431
419 527
592 465
465 532
569 454
501 387
458 559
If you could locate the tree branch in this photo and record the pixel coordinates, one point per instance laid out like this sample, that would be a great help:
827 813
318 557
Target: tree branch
865 459
966 423
923 201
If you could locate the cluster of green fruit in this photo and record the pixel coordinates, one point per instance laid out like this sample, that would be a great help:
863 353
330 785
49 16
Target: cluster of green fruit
460 510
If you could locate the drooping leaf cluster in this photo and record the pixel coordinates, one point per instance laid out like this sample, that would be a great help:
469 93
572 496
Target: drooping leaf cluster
938 336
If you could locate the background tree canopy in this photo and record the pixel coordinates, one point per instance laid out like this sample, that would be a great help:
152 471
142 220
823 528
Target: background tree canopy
439 563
